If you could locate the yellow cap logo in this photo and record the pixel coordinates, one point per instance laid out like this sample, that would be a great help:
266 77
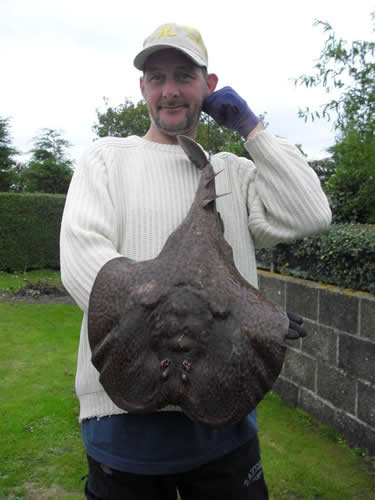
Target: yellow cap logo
169 30
166 30
196 37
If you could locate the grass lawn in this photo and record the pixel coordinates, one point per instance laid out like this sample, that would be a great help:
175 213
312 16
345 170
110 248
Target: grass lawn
41 455
11 282
303 459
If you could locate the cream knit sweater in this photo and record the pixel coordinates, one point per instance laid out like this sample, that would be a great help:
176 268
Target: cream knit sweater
128 195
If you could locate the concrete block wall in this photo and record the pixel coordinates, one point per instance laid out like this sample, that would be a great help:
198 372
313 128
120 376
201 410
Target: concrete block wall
331 372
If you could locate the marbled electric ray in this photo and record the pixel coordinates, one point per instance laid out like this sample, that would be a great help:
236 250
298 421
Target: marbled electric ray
186 328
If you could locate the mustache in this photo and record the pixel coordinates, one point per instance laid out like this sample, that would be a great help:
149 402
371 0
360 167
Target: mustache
172 103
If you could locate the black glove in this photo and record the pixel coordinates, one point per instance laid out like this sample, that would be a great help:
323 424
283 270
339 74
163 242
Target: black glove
295 327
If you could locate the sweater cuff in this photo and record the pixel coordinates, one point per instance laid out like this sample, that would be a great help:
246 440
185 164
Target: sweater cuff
261 145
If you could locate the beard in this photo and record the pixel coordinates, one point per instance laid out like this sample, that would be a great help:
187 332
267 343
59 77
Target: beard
184 126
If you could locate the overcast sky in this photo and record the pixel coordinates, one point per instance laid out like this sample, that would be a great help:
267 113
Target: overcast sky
59 58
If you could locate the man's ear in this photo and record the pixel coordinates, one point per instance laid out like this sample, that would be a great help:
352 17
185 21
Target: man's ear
142 86
211 80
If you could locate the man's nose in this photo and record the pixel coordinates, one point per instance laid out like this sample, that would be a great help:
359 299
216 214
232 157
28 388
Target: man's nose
170 88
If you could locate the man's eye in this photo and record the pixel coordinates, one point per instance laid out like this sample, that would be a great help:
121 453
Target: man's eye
184 76
155 78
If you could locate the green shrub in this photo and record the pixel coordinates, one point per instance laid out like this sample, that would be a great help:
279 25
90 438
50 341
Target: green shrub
29 231
343 256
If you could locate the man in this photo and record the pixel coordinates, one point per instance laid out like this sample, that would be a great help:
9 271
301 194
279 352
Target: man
126 197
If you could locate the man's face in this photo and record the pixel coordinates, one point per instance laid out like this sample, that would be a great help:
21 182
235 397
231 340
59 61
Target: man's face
174 89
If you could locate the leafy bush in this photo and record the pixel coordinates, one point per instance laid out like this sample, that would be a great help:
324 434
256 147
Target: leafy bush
351 188
29 231
343 256
347 72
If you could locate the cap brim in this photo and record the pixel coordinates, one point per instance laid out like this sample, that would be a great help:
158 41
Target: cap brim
141 58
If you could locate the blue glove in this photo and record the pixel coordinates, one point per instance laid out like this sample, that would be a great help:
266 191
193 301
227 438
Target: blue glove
229 110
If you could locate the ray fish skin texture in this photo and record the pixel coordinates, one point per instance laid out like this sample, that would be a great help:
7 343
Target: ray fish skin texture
186 328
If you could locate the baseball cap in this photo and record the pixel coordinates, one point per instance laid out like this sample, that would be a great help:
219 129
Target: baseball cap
183 38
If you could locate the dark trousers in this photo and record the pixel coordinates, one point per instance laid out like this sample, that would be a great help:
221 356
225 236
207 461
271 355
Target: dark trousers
236 476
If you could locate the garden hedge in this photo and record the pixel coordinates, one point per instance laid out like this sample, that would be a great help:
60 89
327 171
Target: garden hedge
29 231
343 256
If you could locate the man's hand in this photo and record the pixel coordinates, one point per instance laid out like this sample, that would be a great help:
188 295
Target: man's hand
295 327
229 110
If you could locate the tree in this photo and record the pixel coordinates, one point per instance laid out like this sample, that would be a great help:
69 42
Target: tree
123 120
349 71
352 188
49 170
7 152
18 178
352 71
324 169
214 138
